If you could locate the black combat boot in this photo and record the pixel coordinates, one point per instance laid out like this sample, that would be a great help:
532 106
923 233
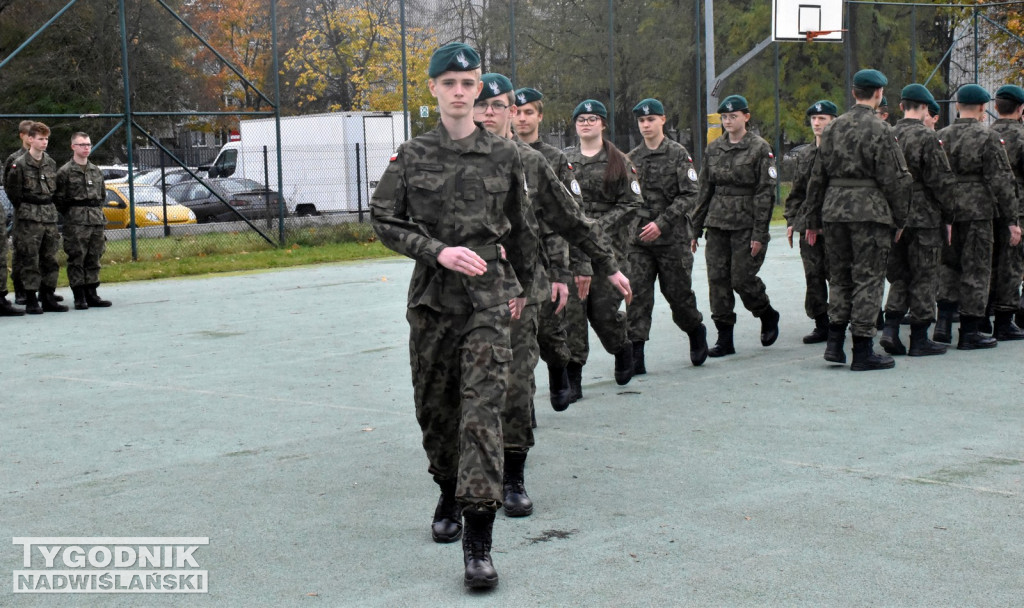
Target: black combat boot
1006 329
476 550
943 331
93 298
724 344
769 326
639 369
32 305
447 524
834 352
890 340
970 337
49 300
920 345
820 332
865 358
575 372
79 293
514 498
698 345
7 309
559 388
624 364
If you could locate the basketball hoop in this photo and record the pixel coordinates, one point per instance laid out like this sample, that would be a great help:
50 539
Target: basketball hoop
811 35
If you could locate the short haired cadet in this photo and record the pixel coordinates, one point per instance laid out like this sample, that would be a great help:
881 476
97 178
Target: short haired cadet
823 107
972 95
453 57
527 95
494 85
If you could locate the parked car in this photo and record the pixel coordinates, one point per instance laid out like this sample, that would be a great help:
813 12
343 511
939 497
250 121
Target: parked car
172 176
114 173
9 208
248 197
149 207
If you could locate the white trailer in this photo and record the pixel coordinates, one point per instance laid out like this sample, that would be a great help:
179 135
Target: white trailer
330 163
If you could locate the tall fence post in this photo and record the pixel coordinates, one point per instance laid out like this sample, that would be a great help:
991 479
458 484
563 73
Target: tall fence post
266 193
359 186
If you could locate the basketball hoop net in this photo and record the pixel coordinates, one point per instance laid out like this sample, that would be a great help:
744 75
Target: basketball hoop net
811 35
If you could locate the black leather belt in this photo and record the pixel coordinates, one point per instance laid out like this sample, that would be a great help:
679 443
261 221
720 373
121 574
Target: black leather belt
851 182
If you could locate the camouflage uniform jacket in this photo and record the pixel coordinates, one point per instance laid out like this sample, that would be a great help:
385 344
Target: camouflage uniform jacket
614 211
1012 134
794 202
30 185
931 203
437 193
858 148
669 183
576 263
79 195
985 184
10 161
737 187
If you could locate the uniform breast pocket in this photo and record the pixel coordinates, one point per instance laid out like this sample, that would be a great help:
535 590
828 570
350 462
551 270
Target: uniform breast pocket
497 187
426 197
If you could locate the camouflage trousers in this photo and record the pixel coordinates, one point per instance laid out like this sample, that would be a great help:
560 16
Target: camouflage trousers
913 273
460 370
551 335
601 311
16 263
672 266
815 275
1007 269
857 254
731 268
516 418
84 246
36 244
3 254
966 269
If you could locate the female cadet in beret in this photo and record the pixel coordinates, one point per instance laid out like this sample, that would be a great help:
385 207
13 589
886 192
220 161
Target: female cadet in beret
737 194
606 182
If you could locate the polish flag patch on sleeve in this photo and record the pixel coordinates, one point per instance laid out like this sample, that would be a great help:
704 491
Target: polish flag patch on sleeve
394 156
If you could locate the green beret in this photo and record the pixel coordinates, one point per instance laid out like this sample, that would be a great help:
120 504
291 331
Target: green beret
916 92
453 57
733 103
884 103
494 85
869 79
527 95
1011 92
972 94
823 106
933 108
649 107
590 106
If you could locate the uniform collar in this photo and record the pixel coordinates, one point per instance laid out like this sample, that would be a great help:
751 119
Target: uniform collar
743 143
481 140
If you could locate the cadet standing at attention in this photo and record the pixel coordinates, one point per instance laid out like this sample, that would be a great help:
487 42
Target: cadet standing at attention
553 210
821 114
19 292
737 193
913 264
985 190
6 309
1008 265
79 197
611 195
30 183
859 189
450 199
660 247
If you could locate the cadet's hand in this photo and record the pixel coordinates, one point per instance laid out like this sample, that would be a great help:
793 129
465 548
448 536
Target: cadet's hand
949 234
899 233
583 286
789 236
1014 236
812 236
516 306
620 282
462 259
693 245
560 295
755 248
650 232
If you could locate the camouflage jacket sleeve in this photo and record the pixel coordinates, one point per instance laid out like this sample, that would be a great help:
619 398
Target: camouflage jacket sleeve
12 182
1000 180
557 251
893 177
705 191
523 242
817 183
764 194
628 202
674 216
61 194
937 177
804 162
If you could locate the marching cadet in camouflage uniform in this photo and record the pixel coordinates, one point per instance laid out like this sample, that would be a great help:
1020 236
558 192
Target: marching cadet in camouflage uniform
553 212
737 193
79 197
821 114
6 309
913 264
30 182
1004 298
450 199
859 189
611 195
660 248
985 189
19 292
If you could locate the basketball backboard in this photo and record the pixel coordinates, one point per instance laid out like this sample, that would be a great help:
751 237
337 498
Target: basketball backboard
793 19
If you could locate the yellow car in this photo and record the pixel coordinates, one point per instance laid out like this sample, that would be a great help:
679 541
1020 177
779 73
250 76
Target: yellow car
149 207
